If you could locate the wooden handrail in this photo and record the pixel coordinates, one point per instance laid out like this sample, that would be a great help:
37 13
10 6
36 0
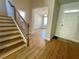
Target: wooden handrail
15 18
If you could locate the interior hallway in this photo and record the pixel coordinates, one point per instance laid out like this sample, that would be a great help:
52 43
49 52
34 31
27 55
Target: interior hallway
41 49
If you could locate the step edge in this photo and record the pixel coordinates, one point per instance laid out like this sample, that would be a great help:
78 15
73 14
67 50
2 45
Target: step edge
12 51
10 44
11 38
8 33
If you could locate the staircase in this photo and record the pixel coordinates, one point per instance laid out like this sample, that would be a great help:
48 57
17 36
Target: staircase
10 37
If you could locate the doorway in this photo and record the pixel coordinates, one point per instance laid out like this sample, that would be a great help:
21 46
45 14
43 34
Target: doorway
39 22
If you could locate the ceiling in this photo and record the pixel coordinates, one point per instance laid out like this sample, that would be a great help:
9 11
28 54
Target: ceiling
67 1
42 11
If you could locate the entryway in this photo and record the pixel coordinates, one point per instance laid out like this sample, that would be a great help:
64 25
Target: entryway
39 20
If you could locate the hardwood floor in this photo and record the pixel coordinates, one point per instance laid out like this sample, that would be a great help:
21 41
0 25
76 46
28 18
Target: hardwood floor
41 49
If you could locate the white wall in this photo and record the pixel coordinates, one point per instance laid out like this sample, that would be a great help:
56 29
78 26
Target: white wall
68 23
53 7
9 9
25 6
2 7
39 3
54 18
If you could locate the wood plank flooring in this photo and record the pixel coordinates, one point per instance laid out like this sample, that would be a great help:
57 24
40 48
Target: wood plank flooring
40 49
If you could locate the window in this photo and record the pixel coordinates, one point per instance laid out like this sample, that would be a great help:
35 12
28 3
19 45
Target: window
22 13
45 21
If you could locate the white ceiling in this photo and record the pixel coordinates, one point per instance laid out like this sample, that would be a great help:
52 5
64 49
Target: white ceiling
42 11
67 1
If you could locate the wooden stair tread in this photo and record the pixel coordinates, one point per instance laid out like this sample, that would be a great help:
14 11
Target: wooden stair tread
8 43
6 18
11 47
7 24
6 21
7 51
13 55
9 37
7 28
8 33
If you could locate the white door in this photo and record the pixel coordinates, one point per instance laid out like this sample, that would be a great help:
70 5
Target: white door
68 22
70 25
